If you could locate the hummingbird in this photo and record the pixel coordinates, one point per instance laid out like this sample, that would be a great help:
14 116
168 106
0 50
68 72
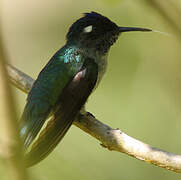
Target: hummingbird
65 83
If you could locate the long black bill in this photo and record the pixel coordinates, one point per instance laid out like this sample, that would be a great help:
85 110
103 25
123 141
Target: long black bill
127 29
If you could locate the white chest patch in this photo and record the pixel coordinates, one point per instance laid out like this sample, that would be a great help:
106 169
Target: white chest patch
88 29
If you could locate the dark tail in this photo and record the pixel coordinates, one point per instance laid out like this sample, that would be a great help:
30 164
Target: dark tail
48 140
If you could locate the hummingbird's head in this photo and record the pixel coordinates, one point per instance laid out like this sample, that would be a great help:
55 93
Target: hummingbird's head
96 31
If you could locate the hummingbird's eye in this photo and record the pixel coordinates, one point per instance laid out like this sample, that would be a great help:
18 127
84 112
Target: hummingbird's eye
88 29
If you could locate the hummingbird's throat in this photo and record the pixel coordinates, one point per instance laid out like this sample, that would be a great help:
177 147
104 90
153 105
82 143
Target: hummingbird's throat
103 45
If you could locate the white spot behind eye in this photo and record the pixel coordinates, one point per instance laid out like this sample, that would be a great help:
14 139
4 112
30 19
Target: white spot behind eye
88 29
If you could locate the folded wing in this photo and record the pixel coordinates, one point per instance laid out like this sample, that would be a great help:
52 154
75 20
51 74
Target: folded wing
70 102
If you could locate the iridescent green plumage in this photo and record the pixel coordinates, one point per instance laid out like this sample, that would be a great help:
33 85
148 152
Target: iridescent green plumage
65 83
47 89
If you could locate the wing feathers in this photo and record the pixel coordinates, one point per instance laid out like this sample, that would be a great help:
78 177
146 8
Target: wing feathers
70 102
46 90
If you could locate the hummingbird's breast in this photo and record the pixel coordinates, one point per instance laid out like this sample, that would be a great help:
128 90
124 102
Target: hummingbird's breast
102 66
99 58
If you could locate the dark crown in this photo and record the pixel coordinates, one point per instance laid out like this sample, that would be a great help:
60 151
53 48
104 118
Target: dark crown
93 31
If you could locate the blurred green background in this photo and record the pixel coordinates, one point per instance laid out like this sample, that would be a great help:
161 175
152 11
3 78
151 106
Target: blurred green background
140 92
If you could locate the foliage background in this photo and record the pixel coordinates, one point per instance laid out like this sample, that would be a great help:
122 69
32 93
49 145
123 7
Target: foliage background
140 92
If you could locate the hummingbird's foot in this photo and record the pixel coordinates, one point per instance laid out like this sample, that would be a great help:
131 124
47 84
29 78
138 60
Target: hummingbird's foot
90 115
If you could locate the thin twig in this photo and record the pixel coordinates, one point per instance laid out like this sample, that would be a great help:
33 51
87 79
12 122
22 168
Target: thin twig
113 139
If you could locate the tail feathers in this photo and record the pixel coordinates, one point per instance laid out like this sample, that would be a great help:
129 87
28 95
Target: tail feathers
27 139
47 140
28 131
31 121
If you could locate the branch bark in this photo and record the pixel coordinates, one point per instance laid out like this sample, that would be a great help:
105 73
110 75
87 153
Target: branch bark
113 139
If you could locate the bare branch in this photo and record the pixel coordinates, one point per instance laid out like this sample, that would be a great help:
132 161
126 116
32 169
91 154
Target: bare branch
113 139
19 79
